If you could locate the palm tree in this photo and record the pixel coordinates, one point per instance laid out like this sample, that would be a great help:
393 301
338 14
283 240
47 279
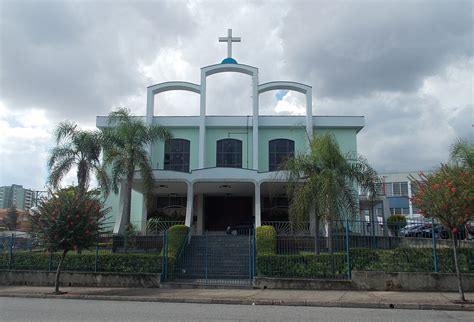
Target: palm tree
322 184
125 143
462 153
76 147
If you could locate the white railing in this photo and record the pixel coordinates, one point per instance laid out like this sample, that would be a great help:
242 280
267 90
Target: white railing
289 228
155 226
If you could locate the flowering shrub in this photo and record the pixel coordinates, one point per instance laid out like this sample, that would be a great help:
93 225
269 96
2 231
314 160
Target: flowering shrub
447 195
69 220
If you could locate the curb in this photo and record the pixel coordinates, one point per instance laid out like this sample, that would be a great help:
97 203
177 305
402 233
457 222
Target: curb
247 301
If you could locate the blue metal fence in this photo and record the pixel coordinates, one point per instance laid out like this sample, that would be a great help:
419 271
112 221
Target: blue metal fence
232 258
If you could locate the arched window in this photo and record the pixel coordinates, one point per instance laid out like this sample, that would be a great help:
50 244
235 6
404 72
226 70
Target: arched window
229 153
279 151
177 155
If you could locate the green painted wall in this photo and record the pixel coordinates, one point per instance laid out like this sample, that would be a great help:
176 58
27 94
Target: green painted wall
215 134
297 134
137 207
113 201
191 134
347 138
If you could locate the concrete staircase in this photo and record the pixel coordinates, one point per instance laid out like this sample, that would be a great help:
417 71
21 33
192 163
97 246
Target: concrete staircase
216 258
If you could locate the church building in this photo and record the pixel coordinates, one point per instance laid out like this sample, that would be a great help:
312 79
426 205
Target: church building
221 171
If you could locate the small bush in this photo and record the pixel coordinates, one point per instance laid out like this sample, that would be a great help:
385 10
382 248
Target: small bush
176 237
266 240
396 222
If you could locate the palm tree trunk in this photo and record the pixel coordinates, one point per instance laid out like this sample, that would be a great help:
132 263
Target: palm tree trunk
456 264
317 247
81 177
58 272
128 201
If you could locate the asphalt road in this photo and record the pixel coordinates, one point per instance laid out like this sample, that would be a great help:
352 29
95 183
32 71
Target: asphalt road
22 309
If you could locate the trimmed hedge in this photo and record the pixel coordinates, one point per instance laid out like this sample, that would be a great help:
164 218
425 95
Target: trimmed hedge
411 260
308 265
266 240
112 262
299 266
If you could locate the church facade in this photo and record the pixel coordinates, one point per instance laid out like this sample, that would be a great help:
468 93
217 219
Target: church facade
221 171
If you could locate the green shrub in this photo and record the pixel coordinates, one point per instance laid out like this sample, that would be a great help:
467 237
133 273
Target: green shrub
396 222
176 237
266 240
302 266
110 262
363 258
308 265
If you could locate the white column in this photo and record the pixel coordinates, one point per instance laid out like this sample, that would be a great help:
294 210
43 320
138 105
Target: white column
309 112
189 206
410 205
150 112
200 214
255 109
150 106
257 207
202 122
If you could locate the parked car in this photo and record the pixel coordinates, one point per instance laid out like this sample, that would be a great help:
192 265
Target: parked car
426 231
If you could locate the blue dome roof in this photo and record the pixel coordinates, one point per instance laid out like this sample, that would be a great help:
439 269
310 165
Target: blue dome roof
229 60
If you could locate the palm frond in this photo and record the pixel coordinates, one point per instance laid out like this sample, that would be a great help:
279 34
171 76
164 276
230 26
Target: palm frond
64 130
59 170
462 153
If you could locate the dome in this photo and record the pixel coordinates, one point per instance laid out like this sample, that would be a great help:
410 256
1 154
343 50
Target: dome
229 60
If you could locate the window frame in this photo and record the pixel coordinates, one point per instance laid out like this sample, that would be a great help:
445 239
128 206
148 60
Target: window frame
276 157
184 154
234 152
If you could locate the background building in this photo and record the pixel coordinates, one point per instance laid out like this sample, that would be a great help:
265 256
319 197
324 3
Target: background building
17 196
393 197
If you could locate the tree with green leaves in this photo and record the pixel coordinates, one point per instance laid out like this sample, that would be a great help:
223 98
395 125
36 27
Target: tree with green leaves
448 195
322 184
70 220
80 148
126 140
11 218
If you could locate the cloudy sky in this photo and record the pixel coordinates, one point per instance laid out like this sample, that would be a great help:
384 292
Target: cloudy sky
407 66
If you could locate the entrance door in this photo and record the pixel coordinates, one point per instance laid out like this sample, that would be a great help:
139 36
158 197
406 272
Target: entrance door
222 212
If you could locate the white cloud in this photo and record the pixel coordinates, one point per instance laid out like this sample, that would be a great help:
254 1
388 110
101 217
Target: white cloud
406 66
290 104
24 146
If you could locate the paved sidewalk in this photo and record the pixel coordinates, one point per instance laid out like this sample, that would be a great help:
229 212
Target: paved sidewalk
355 299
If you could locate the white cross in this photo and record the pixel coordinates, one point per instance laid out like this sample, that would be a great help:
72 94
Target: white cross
229 40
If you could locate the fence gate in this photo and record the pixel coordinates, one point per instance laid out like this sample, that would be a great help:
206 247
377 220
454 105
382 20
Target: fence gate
217 258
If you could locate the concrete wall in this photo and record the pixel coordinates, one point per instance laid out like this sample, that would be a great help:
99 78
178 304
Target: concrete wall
302 284
43 278
375 281
411 281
